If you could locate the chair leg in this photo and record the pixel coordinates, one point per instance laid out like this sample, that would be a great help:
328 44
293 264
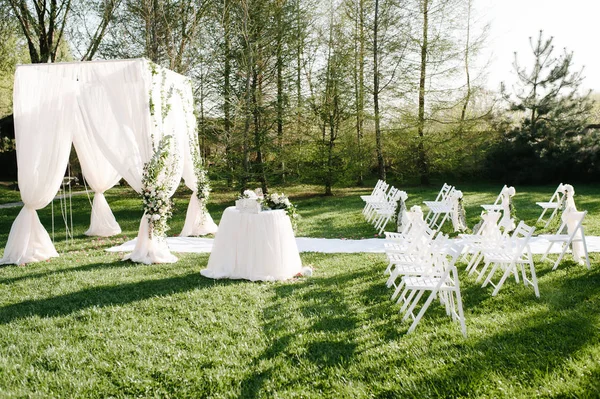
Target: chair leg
585 251
545 256
461 316
534 281
422 311
541 216
560 257
507 272
413 304
488 279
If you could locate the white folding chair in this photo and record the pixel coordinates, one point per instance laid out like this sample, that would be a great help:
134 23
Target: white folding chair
575 237
387 211
440 209
554 204
374 193
497 205
511 258
379 204
377 195
443 285
487 236
409 249
441 196
419 263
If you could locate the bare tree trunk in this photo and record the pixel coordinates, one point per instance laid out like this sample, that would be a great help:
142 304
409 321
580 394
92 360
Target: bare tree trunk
280 90
378 143
258 128
422 156
227 92
359 84
463 113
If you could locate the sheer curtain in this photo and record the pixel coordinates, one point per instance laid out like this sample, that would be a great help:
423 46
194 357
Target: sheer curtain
101 176
127 134
198 221
42 105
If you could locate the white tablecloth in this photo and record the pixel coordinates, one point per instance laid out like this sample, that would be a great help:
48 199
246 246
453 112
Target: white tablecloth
254 246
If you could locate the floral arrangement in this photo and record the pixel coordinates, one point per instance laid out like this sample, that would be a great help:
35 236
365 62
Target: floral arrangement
157 205
459 218
202 183
249 194
281 201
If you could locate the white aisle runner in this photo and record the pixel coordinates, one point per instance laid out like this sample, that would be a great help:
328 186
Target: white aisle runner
330 245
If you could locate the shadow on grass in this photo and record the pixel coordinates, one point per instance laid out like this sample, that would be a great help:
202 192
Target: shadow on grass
331 320
104 296
517 353
94 266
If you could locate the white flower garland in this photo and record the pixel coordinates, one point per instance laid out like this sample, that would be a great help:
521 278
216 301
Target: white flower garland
157 205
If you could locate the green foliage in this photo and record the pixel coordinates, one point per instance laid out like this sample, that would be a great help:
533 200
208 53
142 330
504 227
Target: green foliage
546 143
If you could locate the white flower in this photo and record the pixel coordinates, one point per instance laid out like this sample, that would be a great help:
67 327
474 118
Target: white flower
155 217
568 189
249 194
403 195
457 194
510 191
416 208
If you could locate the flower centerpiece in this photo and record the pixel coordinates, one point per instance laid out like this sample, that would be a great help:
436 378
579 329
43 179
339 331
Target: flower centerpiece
249 201
281 201
157 204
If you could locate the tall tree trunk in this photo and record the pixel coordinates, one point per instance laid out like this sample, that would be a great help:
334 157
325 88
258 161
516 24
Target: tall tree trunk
245 136
258 128
422 156
280 90
227 92
359 84
463 113
378 143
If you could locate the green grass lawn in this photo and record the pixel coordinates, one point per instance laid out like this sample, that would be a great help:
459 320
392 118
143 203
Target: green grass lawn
87 324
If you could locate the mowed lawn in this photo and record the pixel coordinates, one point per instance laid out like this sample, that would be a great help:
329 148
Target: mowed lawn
87 324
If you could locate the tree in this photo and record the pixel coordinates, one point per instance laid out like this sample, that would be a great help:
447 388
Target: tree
552 113
44 24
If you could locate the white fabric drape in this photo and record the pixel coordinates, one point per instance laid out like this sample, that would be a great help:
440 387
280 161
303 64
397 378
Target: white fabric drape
106 108
507 223
254 246
43 135
570 207
101 176
198 221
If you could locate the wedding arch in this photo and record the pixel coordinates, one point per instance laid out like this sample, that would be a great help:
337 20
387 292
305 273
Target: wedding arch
129 119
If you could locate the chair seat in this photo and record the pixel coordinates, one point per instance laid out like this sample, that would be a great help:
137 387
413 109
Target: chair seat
440 207
422 282
558 238
490 207
549 205
499 257
402 258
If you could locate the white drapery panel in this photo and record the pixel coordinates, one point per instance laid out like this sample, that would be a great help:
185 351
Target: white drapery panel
133 134
105 107
198 221
101 176
43 135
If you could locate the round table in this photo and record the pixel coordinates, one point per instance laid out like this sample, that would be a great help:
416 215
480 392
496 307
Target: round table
254 246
